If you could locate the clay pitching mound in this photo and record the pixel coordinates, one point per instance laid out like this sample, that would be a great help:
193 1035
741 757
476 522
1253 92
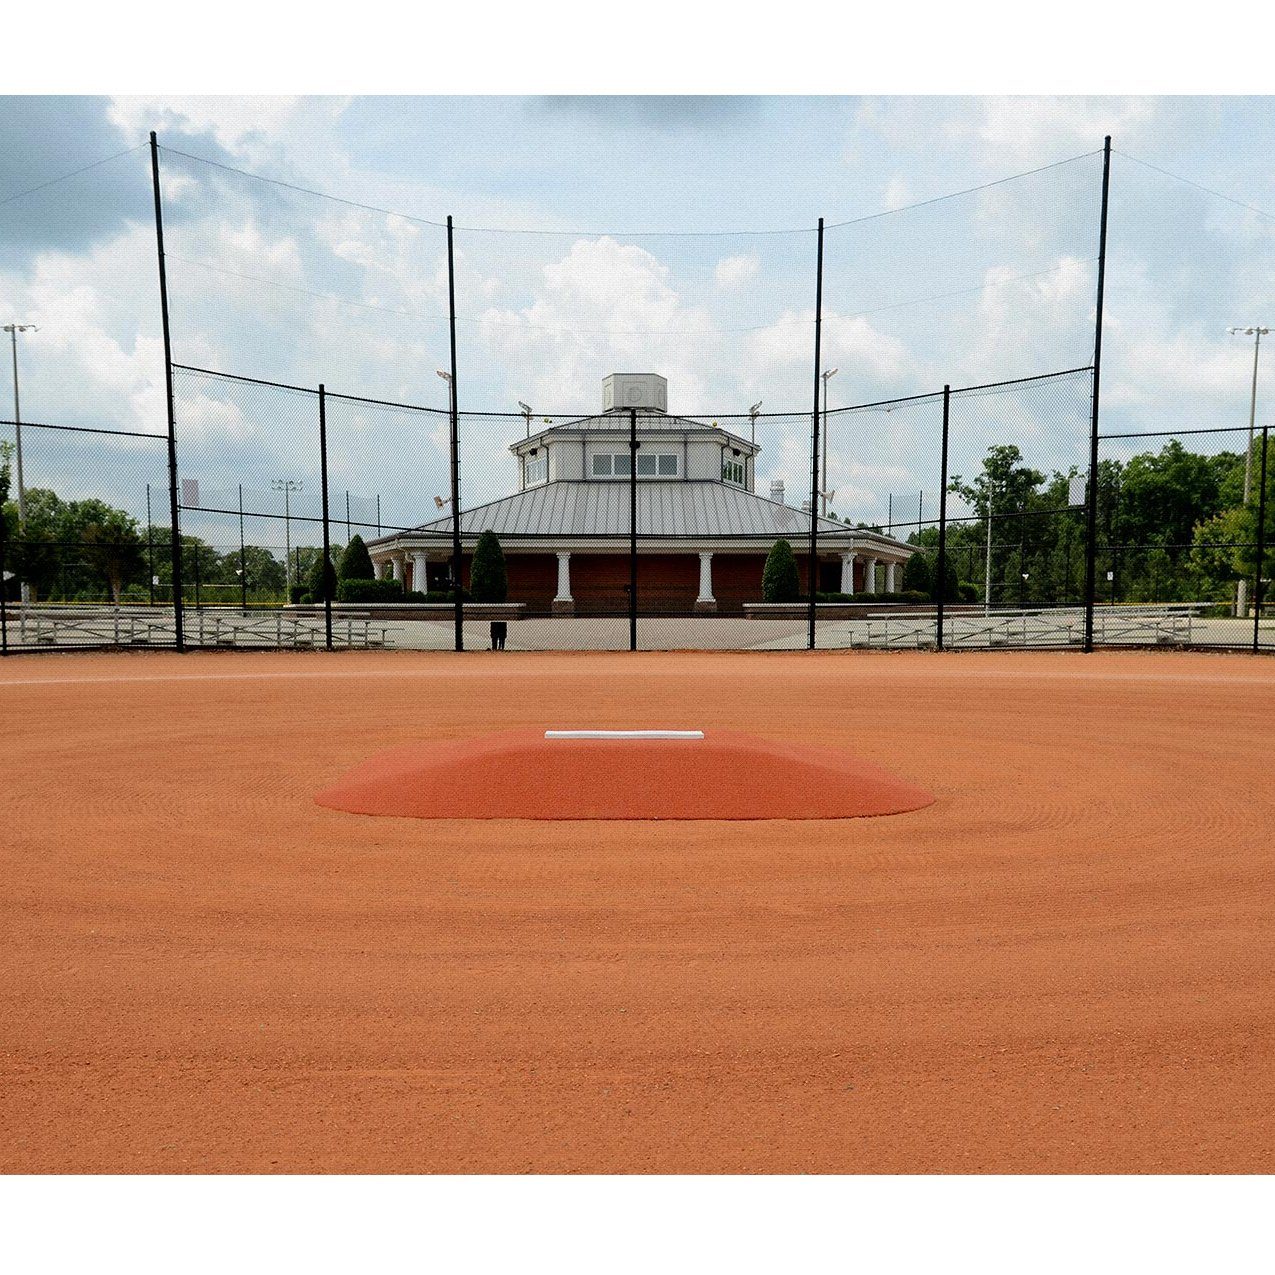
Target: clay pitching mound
527 775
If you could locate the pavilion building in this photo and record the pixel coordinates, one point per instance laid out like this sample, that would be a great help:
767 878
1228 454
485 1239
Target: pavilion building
703 533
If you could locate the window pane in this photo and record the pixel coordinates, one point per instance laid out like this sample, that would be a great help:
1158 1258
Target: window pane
602 467
646 465
668 465
622 467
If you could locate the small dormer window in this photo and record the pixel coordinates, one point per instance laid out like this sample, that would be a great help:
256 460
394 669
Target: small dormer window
732 470
536 468
649 465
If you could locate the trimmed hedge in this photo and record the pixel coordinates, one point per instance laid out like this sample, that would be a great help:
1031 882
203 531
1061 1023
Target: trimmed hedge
370 591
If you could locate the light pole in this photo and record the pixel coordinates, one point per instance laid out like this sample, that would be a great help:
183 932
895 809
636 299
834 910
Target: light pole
1257 333
823 480
753 413
13 329
287 486
522 407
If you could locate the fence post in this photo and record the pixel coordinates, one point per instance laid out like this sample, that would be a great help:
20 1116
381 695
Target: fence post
172 411
1261 545
455 440
942 572
327 571
633 455
813 569
1091 518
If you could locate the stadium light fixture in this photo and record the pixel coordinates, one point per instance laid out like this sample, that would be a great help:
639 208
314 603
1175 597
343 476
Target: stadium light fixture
752 417
526 412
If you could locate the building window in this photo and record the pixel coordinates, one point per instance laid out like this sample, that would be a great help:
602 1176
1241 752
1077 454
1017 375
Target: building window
650 465
732 470
536 469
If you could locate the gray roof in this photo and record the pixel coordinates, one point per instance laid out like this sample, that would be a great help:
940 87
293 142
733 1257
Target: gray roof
699 509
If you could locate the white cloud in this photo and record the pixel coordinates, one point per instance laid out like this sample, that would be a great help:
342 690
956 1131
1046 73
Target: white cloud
603 307
731 272
898 193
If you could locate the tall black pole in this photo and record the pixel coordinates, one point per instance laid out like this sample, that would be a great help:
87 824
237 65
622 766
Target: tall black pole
1091 514
326 572
941 581
633 455
813 569
1261 543
455 446
172 409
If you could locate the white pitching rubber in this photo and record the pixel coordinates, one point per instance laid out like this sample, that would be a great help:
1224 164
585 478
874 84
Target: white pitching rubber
624 734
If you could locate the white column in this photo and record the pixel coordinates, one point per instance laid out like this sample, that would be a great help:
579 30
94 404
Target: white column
564 579
378 568
396 563
847 573
890 577
706 581
420 570
870 576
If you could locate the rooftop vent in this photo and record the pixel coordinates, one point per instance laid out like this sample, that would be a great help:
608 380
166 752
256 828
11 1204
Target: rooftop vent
777 491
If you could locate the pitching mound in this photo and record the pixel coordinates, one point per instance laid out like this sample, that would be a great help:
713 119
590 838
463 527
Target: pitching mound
529 774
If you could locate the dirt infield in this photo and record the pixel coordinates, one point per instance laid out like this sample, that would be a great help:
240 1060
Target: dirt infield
1064 964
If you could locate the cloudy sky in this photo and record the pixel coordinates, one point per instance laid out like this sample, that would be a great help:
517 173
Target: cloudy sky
602 234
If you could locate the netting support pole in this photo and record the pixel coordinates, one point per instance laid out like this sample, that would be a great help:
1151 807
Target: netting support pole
1091 513
941 584
172 409
1261 543
633 455
455 446
326 572
813 569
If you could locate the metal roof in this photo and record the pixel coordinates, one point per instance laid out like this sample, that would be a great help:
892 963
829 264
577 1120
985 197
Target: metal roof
693 509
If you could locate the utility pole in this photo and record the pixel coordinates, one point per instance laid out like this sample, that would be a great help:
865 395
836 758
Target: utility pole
13 329
1257 333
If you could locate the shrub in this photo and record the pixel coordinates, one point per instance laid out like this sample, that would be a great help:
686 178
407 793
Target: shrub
967 592
779 580
488 579
356 562
314 580
370 591
917 574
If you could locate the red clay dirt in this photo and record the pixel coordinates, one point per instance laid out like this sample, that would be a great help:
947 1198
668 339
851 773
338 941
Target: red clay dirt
521 774
1064 964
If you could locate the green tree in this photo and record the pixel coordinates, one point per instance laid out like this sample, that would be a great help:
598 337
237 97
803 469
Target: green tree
108 542
356 562
488 579
780 581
